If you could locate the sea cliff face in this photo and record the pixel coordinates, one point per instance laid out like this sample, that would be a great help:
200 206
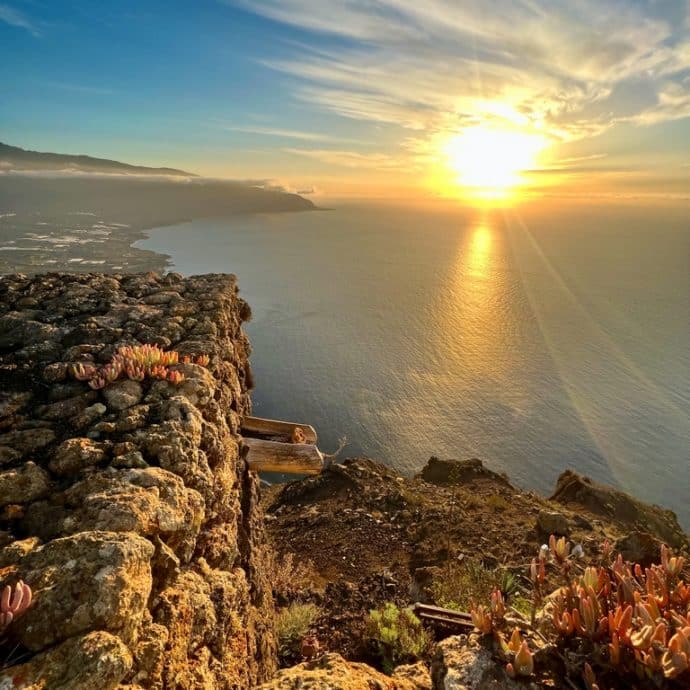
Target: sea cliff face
128 509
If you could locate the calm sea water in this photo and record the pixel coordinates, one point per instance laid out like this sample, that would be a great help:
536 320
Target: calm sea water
535 339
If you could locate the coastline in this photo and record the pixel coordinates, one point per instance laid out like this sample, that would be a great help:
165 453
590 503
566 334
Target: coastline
89 224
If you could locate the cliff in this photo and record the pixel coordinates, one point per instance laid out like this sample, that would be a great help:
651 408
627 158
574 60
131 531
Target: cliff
128 509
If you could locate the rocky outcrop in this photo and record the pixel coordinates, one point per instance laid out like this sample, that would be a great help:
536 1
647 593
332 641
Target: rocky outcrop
462 663
449 472
577 492
365 536
128 510
332 672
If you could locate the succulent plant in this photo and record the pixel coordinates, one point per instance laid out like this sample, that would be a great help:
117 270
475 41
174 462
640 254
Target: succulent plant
590 678
498 607
523 663
135 362
676 658
175 377
481 618
560 549
82 371
13 602
620 619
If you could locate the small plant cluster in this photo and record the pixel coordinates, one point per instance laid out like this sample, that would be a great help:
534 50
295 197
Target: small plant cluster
13 602
292 625
136 363
622 620
398 635
290 577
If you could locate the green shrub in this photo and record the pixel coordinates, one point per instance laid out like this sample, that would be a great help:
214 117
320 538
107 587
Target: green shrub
292 624
398 635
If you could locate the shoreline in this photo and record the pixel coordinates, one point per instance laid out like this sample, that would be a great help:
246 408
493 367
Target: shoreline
117 253
91 223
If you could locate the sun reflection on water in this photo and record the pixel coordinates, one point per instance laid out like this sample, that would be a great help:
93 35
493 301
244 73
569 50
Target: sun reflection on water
470 331
479 250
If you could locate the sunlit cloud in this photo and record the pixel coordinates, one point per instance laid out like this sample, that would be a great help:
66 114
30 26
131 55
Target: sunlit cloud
565 71
580 159
351 159
673 104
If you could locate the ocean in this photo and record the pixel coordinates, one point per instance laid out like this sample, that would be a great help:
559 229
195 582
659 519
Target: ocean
537 338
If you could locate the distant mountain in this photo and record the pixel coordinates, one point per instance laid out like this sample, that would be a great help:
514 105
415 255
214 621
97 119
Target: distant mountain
21 159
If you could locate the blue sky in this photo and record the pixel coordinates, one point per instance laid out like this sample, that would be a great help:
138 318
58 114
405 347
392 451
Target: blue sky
353 94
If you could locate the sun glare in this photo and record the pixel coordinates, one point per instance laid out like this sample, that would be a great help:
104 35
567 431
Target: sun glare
489 162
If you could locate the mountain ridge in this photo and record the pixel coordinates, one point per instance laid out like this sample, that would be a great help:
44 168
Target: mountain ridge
41 160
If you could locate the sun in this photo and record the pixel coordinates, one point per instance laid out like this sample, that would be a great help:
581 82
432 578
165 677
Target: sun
489 162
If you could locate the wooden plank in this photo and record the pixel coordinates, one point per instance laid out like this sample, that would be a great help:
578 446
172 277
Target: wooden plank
276 427
440 615
459 622
421 609
290 458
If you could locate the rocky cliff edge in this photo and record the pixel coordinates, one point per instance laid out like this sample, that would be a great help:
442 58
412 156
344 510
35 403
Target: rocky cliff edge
127 508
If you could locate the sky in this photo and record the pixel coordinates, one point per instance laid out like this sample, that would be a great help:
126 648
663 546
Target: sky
361 97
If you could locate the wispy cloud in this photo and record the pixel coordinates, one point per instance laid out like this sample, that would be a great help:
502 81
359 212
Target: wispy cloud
580 159
13 17
80 88
351 159
570 70
277 132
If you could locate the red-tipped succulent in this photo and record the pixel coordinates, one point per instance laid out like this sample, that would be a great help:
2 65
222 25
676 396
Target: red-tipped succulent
135 362
13 602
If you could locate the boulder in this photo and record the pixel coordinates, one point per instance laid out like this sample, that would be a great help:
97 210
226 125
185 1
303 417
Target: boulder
123 394
90 581
150 501
13 552
417 674
23 484
18 328
97 660
8 455
149 655
55 372
639 547
463 663
332 672
26 441
74 455
447 472
69 407
550 522
11 403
